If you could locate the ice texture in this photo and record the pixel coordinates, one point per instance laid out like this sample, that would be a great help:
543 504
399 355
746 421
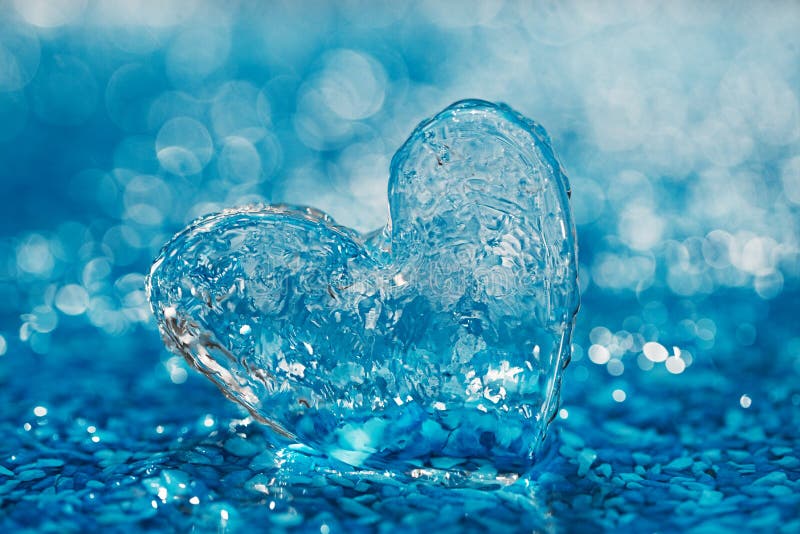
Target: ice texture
435 342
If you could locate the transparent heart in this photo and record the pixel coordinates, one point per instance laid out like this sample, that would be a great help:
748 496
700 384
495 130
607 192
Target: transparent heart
436 342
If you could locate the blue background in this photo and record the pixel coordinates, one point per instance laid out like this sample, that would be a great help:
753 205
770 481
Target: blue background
677 122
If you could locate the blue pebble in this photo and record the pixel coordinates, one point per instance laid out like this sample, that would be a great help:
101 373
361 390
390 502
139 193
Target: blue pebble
679 464
31 474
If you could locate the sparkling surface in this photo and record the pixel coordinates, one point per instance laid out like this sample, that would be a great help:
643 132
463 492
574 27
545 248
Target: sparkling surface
676 121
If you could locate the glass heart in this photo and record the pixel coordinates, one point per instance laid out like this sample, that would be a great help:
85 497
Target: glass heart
436 342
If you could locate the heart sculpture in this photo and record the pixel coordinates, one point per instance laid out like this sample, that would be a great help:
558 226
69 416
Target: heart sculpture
436 342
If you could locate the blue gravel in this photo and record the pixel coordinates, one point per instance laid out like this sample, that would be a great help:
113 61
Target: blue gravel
691 464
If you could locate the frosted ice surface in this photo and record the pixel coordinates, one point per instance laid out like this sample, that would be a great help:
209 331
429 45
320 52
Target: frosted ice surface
437 341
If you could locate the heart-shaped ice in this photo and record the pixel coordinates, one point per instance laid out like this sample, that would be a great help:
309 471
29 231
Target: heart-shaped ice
438 341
